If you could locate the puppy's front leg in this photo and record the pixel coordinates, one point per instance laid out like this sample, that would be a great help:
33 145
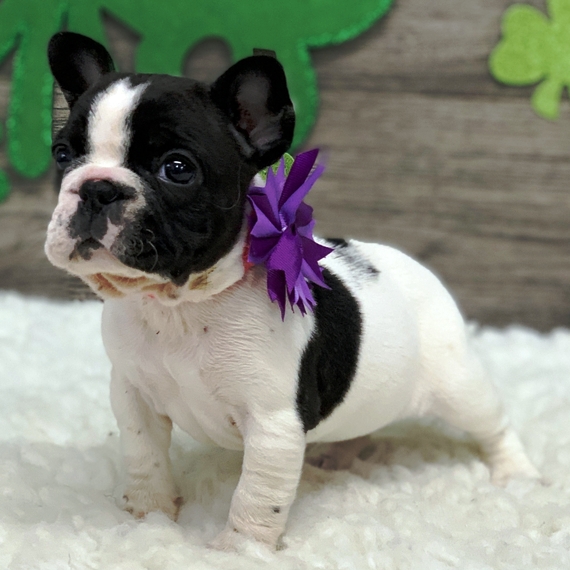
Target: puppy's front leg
274 446
145 439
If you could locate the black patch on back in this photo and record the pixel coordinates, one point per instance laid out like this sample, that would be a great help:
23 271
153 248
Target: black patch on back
353 257
337 242
330 358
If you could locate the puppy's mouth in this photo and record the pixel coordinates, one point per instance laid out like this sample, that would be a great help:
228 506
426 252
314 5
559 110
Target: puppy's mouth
96 263
110 278
111 285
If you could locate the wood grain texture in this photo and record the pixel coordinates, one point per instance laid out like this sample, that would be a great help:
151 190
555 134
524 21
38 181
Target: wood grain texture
425 151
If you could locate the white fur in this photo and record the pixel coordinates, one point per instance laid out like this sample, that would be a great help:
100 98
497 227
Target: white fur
225 370
108 126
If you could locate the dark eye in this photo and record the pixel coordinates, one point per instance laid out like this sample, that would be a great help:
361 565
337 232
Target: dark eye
62 155
178 169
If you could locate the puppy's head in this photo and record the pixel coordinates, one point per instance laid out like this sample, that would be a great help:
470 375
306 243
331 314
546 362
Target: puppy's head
156 168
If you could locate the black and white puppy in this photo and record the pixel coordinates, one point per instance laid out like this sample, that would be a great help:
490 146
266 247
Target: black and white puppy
152 215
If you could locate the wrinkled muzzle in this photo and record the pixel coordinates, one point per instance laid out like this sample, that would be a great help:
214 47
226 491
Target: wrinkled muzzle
95 204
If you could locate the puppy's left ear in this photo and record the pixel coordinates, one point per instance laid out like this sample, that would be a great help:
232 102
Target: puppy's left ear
253 94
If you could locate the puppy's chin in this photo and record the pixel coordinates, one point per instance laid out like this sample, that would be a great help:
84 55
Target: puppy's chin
94 264
109 278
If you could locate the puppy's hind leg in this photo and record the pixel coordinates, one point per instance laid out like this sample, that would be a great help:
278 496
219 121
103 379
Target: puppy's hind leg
338 455
466 399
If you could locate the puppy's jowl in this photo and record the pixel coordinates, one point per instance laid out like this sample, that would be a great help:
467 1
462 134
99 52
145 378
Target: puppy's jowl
152 214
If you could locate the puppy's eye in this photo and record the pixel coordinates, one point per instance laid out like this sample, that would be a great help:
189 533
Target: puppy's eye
62 155
178 169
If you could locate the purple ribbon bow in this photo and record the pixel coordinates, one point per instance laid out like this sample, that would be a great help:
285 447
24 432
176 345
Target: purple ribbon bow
281 233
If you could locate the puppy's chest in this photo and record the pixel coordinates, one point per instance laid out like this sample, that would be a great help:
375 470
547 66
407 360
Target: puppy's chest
170 358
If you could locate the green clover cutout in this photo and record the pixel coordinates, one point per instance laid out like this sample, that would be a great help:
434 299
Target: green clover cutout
168 30
535 49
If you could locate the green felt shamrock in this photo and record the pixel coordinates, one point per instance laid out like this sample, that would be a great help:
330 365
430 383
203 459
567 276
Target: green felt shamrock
536 49
168 30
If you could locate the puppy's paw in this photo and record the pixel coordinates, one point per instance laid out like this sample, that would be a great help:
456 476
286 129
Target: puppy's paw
229 540
514 468
326 462
507 459
139 502
232 540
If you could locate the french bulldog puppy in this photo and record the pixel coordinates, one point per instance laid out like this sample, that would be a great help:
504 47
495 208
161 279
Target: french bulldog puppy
152 214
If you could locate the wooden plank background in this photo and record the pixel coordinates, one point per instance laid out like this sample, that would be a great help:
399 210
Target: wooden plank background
425 151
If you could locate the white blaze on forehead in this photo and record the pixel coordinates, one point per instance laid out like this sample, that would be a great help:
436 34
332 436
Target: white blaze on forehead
109 121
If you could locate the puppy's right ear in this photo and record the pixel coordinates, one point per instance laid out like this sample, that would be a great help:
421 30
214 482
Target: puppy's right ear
77 62
253 95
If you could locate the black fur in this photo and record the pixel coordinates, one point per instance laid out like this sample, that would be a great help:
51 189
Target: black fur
184 229
330 359
77 62
337 242
253 94
353 258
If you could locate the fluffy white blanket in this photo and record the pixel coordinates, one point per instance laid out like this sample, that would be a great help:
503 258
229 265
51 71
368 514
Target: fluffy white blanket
421 500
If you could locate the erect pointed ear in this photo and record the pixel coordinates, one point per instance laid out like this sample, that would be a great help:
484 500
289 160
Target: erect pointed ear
254 96
77 62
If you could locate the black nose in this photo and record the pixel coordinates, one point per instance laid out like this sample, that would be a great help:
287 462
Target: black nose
101 193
